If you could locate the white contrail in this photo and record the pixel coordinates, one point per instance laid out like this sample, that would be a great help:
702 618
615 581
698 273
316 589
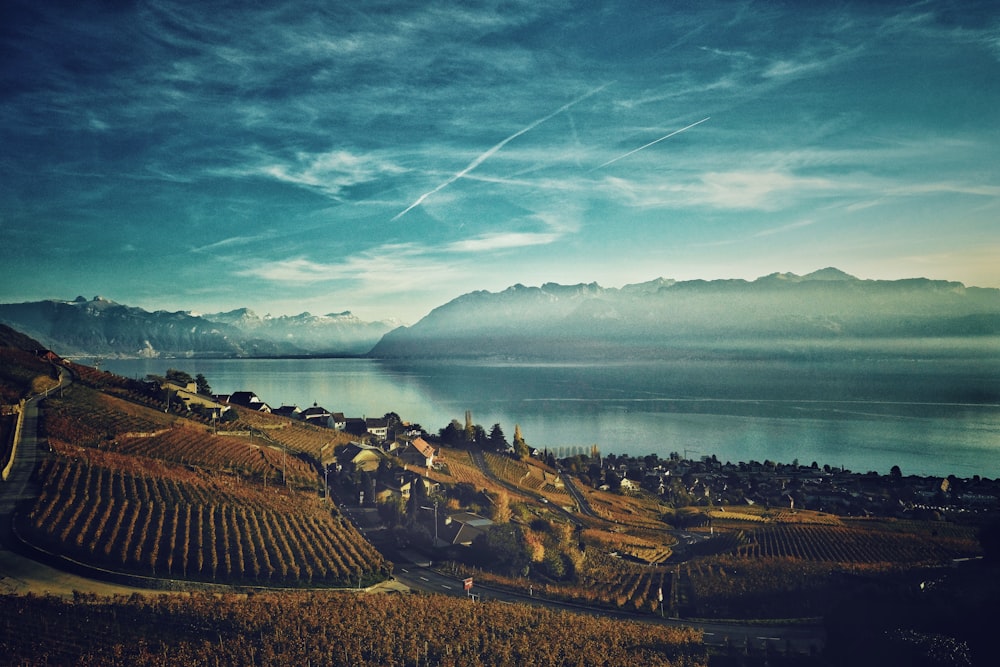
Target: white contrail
666 136
491 151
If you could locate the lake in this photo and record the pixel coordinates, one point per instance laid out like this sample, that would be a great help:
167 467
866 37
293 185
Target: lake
929 416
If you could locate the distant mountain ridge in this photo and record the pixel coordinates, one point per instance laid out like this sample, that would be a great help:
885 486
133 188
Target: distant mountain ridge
101 327
660 317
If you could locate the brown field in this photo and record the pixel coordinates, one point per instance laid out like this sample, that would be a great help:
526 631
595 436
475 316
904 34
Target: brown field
327 629
529 475
162 520
134 489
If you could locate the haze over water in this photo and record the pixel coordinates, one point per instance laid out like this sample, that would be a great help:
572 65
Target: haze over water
930 416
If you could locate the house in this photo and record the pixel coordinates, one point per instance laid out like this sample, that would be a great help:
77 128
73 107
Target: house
356 456
417 451
377 428
355 426
402 486
462 528
248 399
317 415
338 421
189 396
291 411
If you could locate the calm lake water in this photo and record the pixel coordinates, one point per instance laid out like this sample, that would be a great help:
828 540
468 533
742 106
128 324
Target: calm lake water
930 417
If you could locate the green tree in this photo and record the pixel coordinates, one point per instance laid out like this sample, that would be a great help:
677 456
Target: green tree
203 387
452 434
503 548
497 440
178 377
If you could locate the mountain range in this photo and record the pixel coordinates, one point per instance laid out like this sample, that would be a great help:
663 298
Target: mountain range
666 317
100 327
551 322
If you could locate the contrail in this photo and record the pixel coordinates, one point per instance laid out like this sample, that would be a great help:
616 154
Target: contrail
491 151
667 136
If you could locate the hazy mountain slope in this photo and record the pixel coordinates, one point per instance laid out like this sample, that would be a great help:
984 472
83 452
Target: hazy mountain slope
15 339
334 333
581 321
103 327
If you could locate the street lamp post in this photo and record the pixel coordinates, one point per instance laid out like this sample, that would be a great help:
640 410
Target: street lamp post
435 508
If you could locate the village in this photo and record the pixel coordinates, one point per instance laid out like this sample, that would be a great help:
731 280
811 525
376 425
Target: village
382 463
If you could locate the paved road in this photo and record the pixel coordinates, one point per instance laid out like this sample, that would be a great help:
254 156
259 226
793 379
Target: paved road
800 639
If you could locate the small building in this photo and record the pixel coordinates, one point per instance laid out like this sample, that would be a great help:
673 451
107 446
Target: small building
377 428
628 486
417 451
317 415
462 528
291 411
359 457
247 399
189 396
338 421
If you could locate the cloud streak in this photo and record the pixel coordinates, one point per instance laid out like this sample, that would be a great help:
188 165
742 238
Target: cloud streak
482 157
651 143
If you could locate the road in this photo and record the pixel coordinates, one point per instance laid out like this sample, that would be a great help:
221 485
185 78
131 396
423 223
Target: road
797 638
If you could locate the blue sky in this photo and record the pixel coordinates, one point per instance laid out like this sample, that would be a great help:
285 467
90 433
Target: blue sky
386 157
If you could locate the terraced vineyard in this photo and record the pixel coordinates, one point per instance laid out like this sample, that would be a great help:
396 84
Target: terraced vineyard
608 583
862 545
138 490
315 441
522 475
83 416
194 527
246 456
457 467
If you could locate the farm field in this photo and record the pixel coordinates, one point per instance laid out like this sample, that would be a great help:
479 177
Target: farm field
532 477
132 489
329 629
773 571
111 512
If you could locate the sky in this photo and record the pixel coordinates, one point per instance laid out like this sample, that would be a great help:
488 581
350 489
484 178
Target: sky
387 157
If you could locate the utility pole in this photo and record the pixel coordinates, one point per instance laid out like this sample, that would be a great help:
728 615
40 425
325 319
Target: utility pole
435 509
326 484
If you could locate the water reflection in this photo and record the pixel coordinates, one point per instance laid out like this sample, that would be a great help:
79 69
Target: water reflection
940 417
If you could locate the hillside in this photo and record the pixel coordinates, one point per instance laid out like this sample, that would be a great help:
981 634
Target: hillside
21 370
665 317
134 489
100 327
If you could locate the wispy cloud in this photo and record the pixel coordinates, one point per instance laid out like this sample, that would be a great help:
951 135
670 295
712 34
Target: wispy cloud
482 157
503 241
331 172
785 228
387 264
736 190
